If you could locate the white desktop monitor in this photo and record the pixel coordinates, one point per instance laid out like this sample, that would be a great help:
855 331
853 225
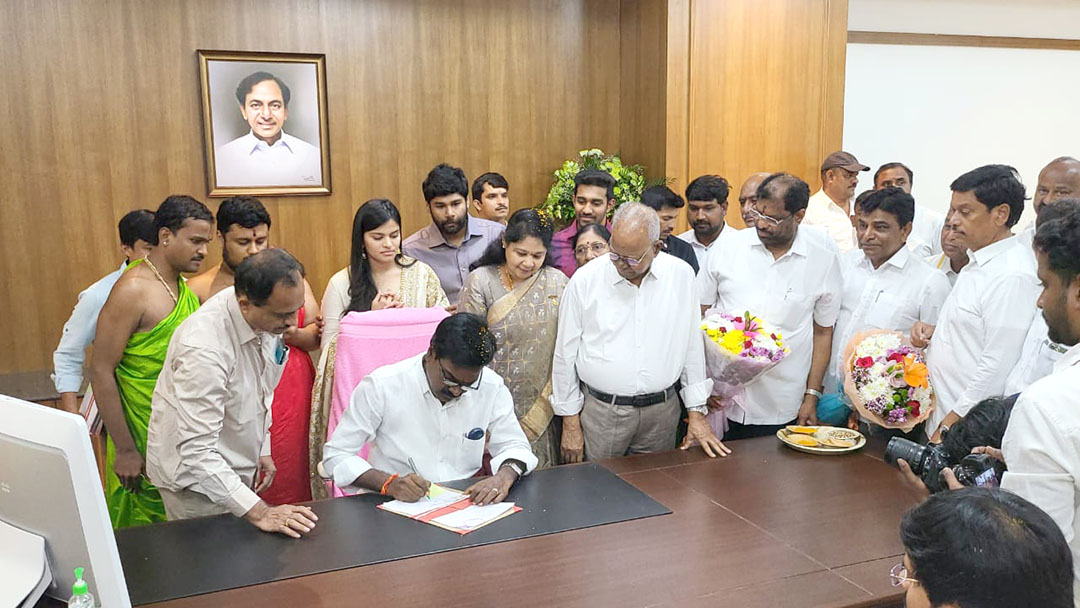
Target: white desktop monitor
49 486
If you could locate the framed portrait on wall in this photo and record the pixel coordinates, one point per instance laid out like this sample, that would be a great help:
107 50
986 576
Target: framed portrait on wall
264 118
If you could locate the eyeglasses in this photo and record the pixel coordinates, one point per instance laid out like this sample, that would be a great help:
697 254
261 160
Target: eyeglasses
452 382
598 247
631 262
768 218
899 575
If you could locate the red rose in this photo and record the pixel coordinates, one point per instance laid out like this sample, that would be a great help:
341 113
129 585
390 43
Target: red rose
864 361
773 336
914 405
896 357
738 319
748 344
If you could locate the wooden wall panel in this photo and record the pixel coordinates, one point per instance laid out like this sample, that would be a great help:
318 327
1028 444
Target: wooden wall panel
766 87
643 83
102 115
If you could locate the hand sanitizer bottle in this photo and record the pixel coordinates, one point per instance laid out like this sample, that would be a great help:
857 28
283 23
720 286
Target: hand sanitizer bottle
80 593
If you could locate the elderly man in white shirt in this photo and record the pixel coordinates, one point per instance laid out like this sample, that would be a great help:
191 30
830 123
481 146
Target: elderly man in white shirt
266 155
925 238
790 277
981 329
628 338
706 206
953 256
886 286
208 444
1042 442
429 419
830 207
1040 352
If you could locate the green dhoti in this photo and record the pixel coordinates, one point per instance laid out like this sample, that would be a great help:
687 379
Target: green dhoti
136 375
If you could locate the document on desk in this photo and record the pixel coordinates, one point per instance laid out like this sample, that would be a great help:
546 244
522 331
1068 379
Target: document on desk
451 510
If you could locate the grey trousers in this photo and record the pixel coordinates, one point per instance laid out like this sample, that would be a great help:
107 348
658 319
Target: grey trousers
188 504
612 431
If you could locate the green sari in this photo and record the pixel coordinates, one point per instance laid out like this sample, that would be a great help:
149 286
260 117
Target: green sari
136 375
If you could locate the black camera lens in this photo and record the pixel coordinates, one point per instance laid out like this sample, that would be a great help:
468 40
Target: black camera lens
909 451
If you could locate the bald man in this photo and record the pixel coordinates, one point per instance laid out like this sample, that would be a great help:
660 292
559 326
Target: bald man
1059 179
748 196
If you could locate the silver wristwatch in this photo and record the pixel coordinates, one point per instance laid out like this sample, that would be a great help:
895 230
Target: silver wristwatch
516 466
701 409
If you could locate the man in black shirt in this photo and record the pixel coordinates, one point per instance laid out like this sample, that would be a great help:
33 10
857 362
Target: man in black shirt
667 204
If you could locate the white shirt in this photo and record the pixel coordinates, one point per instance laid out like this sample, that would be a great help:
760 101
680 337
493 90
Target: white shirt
700 249
822 211
792 293
925 237
1037 359
79 332
941 262
1042 450
394 409
210 414
981 330
249 161
627 340
905 289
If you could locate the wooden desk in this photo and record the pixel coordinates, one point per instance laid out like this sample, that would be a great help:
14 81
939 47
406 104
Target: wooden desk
765 527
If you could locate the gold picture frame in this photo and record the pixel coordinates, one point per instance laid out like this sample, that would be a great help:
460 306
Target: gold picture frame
263 146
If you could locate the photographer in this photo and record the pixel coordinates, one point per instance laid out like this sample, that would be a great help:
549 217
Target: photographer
985 548
927 469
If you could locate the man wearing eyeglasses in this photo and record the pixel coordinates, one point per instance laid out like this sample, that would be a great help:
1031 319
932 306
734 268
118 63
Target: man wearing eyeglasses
789 277
428 419
830 207
628 346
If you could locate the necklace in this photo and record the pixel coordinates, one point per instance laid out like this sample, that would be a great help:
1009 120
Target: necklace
508 281
162 279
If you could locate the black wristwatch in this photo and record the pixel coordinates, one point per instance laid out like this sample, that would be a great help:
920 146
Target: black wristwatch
517 466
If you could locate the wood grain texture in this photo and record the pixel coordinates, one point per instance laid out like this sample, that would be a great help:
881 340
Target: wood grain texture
1005 42
103 116
766 88
736 538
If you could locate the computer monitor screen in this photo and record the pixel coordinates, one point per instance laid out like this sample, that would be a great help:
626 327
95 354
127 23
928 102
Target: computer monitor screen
49 486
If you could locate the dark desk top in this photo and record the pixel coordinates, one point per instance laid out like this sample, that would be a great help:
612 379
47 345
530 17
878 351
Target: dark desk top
766 527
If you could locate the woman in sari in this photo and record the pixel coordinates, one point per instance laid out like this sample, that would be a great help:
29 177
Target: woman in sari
516 289
378 276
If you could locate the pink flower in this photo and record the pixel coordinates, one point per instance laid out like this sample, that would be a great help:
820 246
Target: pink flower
864 361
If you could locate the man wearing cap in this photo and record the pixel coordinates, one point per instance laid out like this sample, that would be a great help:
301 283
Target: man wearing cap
830 208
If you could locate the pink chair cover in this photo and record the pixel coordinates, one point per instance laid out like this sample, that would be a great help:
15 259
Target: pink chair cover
370 340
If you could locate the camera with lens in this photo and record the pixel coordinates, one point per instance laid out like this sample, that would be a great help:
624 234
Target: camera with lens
927 461
984 425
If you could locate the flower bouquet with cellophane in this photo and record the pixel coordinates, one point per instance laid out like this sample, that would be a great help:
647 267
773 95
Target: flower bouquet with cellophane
887 380
738 350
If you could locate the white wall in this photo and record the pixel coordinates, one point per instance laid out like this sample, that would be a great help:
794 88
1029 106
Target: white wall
945 110
1022 18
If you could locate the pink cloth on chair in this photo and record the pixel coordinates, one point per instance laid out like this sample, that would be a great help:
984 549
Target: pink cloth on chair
370 340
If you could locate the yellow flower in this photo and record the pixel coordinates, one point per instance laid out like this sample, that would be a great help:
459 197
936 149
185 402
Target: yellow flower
733 341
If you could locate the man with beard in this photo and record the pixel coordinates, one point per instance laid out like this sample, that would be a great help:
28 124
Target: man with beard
706 200
980 332
830 207
594 198
1042 440
208 445
453 241
244 229
145 306
790 277
748 197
